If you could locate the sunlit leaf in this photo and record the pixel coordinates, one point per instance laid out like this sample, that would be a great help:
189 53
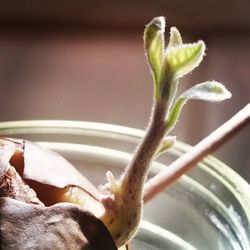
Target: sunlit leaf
211 91
175 38
182 59
154 45
207 91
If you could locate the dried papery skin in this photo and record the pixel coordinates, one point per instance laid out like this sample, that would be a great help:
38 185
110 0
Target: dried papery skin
22 223
7 150
48 167
12 186
53 178
62 226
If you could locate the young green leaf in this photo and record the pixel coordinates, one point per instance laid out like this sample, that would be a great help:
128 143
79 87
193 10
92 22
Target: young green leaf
166 144
154 45
211 91
181 60
168 85
175 38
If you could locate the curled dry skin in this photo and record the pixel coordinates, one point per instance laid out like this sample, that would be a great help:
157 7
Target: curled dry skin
62 226
12 186
26 223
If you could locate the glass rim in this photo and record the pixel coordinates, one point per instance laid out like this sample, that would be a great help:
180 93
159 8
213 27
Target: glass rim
232 180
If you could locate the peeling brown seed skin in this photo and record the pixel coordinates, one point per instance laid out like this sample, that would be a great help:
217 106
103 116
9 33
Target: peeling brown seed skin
62 226
12 186
37 166
25 223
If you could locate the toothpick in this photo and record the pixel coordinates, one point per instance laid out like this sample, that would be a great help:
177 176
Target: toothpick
189 160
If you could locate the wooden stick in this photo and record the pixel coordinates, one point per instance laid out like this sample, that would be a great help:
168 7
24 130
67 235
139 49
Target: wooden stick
189 160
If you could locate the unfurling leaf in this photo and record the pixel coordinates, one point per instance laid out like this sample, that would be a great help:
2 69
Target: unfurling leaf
181 60
166 144
175 38
211 91
207 91
154 45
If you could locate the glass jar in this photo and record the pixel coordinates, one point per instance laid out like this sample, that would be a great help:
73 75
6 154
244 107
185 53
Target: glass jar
206 209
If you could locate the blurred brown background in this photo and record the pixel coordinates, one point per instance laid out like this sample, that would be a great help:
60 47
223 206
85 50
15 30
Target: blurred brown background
84 60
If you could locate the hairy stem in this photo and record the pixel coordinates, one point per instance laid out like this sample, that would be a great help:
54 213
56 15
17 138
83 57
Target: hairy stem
183 164
133 179
123 211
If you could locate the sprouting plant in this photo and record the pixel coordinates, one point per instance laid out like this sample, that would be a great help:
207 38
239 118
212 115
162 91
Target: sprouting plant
168 63
114 210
